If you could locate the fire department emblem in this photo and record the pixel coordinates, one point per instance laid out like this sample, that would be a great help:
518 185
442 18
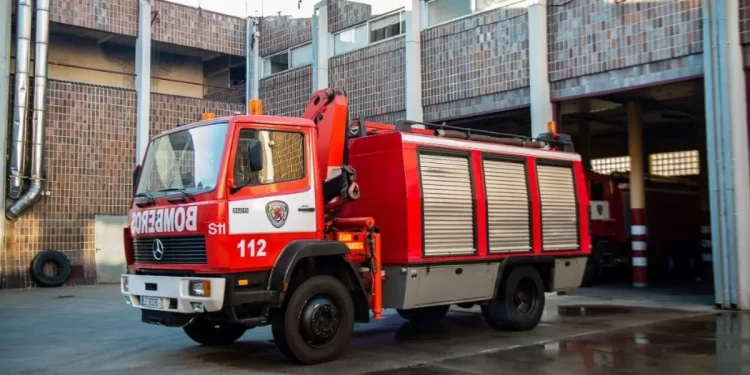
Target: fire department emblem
277 212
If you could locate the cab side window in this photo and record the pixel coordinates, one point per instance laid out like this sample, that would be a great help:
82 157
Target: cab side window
283 157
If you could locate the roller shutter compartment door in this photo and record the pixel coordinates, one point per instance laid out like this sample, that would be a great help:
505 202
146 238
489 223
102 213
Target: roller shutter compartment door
448 210
559 213
507 206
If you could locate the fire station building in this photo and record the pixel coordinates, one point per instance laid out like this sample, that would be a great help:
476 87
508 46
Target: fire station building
653 93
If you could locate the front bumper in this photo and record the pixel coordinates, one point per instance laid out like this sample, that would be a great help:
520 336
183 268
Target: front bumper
172 292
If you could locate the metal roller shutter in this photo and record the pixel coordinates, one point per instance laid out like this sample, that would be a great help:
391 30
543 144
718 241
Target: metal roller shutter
448 210
507 206
559 222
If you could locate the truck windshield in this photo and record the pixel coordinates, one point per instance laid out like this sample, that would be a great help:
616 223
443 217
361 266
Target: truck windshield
185 161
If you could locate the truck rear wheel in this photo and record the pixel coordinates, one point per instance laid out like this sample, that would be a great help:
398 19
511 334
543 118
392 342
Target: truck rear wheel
315 322
519 303
209 333
430 314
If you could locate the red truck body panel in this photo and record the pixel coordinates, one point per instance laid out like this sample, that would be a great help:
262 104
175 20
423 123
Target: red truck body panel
392 195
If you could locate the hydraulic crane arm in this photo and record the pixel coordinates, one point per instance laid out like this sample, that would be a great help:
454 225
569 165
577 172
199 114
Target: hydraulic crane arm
329 110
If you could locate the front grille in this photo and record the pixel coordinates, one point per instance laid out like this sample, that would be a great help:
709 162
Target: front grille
176 250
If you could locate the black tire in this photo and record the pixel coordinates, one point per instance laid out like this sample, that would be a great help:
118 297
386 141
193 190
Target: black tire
519 303
315 322
50 256
427 315
209 333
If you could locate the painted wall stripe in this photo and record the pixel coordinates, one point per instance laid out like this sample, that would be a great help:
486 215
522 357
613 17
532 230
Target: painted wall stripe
640 261
638 230
639 246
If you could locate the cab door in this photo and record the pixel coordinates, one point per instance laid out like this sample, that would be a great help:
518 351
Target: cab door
269 208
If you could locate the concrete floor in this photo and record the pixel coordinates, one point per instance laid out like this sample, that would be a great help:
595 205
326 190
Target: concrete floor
89 330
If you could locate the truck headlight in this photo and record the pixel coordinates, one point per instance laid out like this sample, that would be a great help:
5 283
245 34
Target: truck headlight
199 288
125 285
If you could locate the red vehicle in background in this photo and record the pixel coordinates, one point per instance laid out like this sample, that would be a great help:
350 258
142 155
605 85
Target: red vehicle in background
673 220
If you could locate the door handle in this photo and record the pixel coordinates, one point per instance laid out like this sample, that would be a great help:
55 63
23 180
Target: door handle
306 209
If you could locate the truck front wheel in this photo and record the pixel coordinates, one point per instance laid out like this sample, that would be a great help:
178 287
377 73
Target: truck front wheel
519 303
209 333
315 323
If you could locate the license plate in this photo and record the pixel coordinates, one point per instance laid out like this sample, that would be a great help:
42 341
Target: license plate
153 302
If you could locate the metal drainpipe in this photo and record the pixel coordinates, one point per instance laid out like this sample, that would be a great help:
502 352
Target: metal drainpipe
20 107
40 115
714 156
727 181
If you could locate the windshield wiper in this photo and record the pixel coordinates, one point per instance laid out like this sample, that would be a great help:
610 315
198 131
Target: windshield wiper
186 194
149 199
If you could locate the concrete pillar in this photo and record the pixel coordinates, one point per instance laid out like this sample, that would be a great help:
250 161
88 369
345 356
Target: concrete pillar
414 110
251 66
740 160
320 46
541 107
637 195
727 152
5 42
143 79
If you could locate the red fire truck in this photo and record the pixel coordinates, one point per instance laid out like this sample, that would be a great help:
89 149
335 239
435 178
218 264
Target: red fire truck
312 224
673 222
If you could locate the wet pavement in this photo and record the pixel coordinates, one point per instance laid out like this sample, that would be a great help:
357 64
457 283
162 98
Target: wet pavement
713 344
89 330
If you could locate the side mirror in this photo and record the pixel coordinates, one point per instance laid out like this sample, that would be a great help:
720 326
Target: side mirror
136 171
255 155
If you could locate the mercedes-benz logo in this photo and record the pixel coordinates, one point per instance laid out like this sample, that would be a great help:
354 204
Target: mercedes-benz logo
158 249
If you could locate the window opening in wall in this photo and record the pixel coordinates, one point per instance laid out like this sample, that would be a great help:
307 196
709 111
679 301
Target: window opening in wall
611 165
679 163
439 11
373 31
292 58
302 55
387 27
350 40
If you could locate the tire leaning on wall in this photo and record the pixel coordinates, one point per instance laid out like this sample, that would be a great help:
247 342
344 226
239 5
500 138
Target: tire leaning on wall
50 256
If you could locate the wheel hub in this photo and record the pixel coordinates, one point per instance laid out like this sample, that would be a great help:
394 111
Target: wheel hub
523 297
320 320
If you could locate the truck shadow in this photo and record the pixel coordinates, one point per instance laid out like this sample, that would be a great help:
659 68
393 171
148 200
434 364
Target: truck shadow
395 341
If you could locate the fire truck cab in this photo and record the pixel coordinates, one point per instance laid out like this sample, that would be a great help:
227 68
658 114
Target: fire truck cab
312 224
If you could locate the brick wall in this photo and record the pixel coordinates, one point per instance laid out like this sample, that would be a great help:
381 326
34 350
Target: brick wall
478 56
345 13
193 27
286 93
373 78
280 33
114 16
592 36
90 147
